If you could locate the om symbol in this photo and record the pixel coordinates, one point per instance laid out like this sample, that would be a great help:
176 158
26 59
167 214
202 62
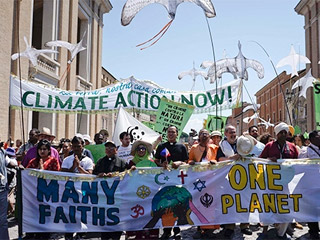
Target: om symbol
138 210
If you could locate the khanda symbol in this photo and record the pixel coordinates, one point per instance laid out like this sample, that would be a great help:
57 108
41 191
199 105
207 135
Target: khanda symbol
206 200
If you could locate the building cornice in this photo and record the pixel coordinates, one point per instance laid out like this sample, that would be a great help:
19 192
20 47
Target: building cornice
105 5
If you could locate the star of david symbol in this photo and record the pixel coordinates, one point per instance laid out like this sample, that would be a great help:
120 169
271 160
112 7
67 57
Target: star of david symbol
199 185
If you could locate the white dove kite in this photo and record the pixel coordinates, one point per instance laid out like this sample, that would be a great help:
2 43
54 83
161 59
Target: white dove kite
73 48
132 7
293 59
236 66
31 53
193 73
305 83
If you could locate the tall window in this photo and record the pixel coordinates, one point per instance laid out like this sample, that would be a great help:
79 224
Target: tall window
83 58
280 116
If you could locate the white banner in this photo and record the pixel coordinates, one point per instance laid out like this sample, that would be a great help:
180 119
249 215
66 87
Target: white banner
129 93
135 129
229 192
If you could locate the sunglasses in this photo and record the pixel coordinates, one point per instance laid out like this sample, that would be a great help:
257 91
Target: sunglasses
141 149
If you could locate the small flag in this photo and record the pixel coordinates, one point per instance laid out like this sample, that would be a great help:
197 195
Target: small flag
165 153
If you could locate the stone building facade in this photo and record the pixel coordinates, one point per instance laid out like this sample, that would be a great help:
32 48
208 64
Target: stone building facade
41 21
310 9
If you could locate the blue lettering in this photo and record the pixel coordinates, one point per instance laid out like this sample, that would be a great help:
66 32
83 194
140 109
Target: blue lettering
50 191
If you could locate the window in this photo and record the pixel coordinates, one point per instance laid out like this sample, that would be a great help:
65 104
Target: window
83 58
280 116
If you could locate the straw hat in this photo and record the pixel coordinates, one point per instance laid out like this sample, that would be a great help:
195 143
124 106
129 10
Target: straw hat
46 131
245 145
140 142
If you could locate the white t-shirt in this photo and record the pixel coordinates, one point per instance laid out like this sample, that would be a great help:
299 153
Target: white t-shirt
124 153
86 163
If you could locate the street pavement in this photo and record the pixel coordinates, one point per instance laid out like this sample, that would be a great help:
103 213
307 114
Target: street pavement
187 232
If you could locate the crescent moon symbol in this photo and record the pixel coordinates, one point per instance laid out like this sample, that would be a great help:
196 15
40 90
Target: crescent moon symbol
156 179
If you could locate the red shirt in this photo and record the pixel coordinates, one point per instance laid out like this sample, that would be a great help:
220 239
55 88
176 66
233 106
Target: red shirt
273 149
51 164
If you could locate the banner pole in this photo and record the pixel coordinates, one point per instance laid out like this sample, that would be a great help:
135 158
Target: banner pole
19 203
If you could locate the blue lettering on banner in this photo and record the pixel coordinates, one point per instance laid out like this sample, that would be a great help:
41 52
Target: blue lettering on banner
50 190
43 213
70 192
109 192
91 192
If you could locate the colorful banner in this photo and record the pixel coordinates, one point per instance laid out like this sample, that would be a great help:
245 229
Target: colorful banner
205 194
317 104
172 113
129 93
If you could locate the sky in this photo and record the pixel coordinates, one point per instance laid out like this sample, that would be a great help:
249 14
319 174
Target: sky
272 23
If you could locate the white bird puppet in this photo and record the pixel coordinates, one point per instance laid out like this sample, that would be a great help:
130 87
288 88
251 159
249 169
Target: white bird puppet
73 48
265 123
293 59
305 83
193 73
31 53
236 66
132 7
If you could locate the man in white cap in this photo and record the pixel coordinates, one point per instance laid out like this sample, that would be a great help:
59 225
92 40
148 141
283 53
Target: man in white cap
280 149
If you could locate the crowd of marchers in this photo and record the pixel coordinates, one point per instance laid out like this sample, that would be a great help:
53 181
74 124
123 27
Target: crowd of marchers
69 155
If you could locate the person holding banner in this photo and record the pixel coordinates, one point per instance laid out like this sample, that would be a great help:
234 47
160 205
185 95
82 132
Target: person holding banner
204 151
44 160
78 162
312 152
45 134
141 151
280 149
104 168
178 154
228 151
171 150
